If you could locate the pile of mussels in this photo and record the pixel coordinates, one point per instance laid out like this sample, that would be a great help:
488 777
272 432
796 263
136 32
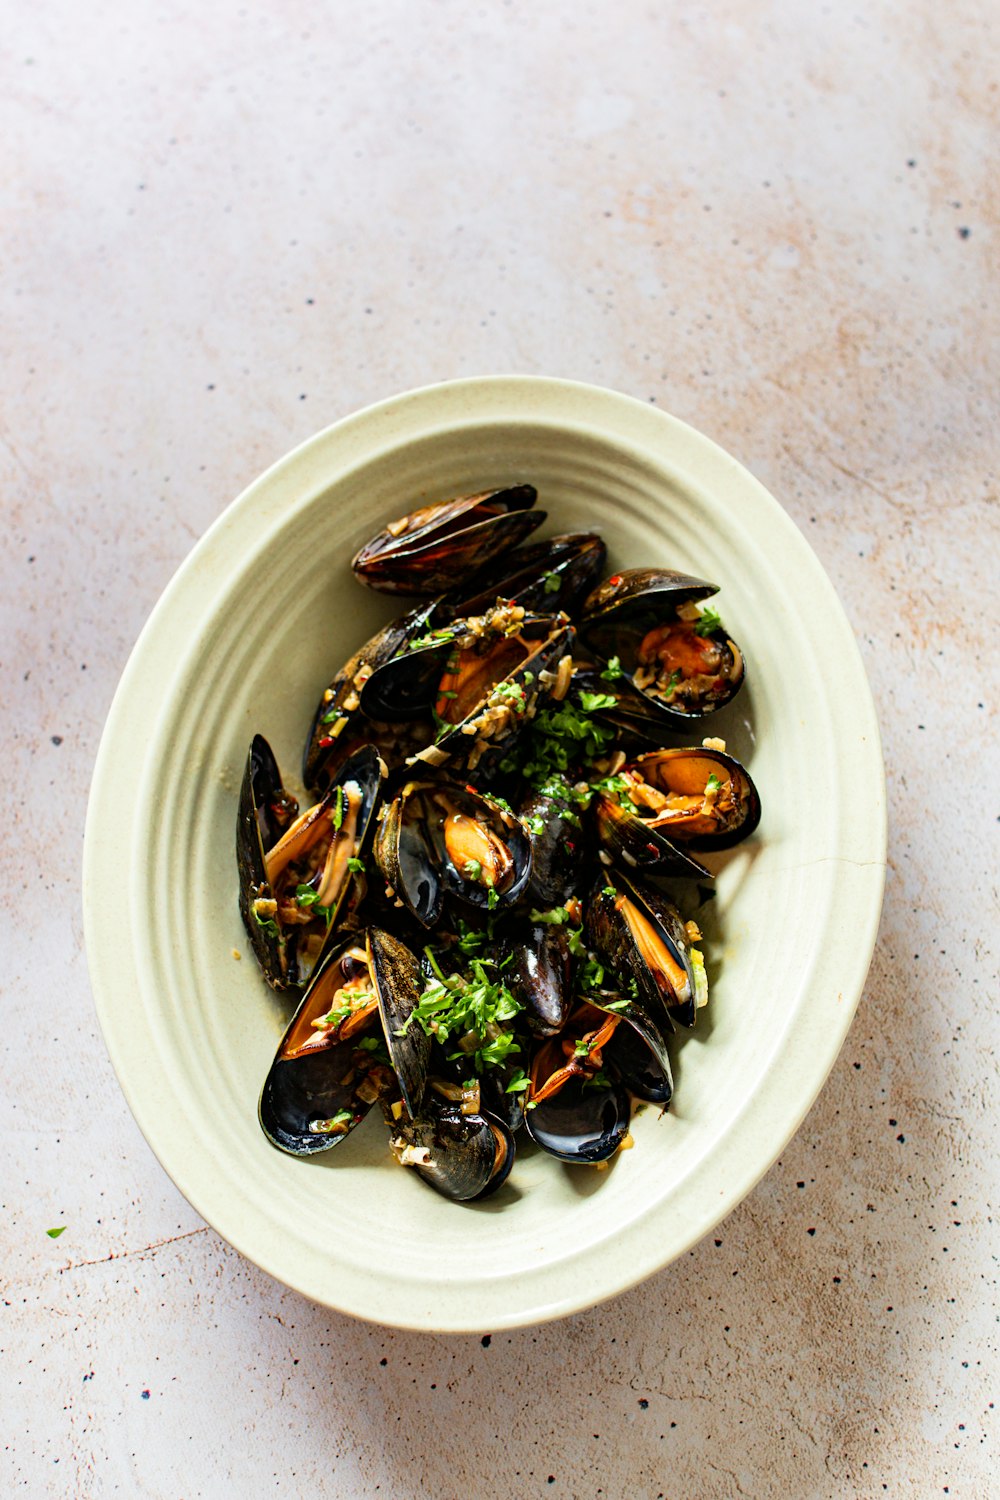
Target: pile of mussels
469 903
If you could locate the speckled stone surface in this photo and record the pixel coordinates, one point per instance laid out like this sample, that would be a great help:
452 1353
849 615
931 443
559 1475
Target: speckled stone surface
224 226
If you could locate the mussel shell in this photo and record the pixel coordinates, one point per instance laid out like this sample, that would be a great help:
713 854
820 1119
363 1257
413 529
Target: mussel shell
687 771
558 866
434 547
554 574
319 1084
630 841
282 957
395 974
665 980
581 1123
338 730
622 610
540 974
637 1053
497 1103
489 720
469 1156
257 829
411 854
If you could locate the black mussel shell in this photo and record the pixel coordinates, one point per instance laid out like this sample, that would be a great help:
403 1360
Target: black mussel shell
718 816
498 1102
461 1156
642 938
395 974
552 819
433 548
626 616
324 1080
286 872
265 810
583 1123
555 574
540 974
439 838
629 840
637 1053
339 725
483 686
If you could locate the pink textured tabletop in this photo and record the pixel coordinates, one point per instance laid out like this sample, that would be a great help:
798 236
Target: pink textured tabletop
225 226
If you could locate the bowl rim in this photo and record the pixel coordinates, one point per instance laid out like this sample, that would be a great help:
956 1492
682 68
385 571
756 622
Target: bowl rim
813 1040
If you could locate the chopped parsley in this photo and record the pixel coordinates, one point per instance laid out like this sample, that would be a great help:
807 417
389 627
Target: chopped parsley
472 869
519 1084
535 824
552 584
671 687
708 621
592 975
54 1234
613 670
356 866
470 1008
713 783
600 1080
305 895
432 638
267 925
491 897
558 739
591 703
334 1123
620 1004
338 809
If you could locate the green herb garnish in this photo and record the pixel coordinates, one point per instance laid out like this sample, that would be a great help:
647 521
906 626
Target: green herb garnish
356 866
613 670
54 1234
592 702
519 1083
552 584
338 809
713 783
707 622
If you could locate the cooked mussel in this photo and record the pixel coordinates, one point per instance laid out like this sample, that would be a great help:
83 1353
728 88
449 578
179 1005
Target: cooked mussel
340 726
551 814
439 838
296 873
644 940
483 685
462 1156
700 797
395 976
332 1063
575 1110
678 657
539 973
433 548
544 577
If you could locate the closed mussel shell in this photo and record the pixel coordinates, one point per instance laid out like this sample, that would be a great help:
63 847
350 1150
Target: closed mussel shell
539 974
325 1077
684 665
432 548
551 816
555 574
264 812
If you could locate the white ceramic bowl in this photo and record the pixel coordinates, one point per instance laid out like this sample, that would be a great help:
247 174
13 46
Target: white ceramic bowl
245 638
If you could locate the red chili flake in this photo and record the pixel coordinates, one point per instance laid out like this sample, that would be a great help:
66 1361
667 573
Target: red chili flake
615 581
570 845
326 740
652 848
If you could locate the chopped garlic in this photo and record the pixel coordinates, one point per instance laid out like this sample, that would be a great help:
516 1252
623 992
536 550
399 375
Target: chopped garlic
714 743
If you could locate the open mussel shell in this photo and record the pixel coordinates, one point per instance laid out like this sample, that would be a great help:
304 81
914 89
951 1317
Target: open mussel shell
438 838
628 840
646 618
555 574
325 1078
433 548
265 810
483 686
395 974
642 938
295 889
575 1110
539 974
461 1156
637 1052
340 726
709 799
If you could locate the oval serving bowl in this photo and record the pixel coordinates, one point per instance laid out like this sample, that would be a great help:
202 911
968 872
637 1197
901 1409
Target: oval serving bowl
244 639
